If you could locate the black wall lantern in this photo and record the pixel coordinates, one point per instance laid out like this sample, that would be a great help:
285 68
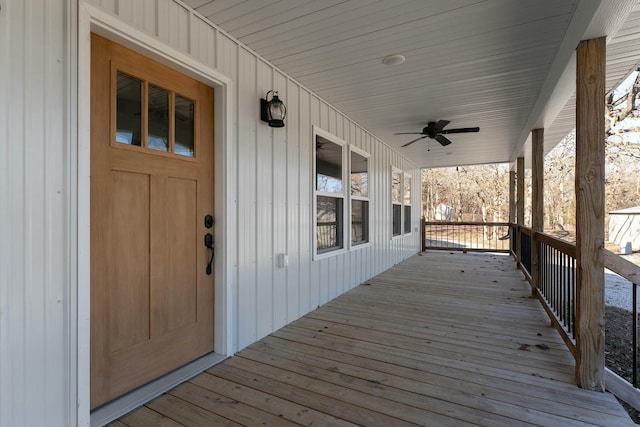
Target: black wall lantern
272 110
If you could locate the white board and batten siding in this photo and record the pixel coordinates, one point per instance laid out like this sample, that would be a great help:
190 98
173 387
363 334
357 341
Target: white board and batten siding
624 228
37 223
268 197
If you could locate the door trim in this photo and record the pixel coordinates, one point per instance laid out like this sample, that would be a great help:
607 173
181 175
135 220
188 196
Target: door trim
93 19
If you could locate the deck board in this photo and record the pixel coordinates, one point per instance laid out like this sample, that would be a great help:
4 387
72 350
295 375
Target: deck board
442 339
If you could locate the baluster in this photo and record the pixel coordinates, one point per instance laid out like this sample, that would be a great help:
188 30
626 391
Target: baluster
635 335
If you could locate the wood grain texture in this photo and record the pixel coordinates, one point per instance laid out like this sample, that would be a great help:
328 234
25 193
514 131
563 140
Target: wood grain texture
537 180
512 196
519 203
623 389
590 110
151 300
621 266
442 339
537 201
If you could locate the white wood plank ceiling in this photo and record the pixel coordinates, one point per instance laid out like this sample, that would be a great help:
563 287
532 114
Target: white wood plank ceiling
503 65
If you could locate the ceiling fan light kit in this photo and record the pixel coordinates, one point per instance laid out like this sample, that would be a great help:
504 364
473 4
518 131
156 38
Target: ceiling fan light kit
435 130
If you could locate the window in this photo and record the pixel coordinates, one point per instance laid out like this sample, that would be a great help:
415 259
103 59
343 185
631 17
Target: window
407 203
329 192
400 202
359 186
396 200
341 194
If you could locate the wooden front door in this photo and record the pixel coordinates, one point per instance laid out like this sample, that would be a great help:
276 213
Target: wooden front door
151 188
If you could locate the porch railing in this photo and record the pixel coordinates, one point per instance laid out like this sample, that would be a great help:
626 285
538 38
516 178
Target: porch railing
557 289
466 236
556 286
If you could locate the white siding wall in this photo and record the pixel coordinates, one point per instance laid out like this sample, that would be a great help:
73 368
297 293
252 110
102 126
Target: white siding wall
37 360
270 179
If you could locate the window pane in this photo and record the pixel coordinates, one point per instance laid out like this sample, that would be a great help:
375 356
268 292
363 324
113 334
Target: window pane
184 116
397 219
158 119
128 110
359 221
407 219
396 185
329 223
359 175
328 166
407 190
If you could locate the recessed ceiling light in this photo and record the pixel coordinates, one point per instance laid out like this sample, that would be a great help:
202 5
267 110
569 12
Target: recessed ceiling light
393 59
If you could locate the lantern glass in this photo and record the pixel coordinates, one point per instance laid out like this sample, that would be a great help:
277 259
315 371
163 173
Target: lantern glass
273 110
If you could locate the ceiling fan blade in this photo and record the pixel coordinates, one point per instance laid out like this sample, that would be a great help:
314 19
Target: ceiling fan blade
411 142
442 140
409 133
461 130
441 124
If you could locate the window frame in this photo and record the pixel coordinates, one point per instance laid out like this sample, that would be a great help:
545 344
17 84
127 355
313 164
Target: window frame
367 199
395 170
118 67
406 175
346 186
403 205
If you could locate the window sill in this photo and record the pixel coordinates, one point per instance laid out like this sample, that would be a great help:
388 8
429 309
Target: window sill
360 246
323 255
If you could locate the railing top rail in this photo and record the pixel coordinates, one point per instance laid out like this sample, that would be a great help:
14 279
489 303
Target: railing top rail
563 246
477 223
621 266
525 230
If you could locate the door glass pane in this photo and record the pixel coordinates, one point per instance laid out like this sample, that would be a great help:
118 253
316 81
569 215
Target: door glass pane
128 110
184 126
158 119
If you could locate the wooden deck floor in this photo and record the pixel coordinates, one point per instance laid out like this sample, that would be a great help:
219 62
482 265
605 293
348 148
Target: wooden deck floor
439 340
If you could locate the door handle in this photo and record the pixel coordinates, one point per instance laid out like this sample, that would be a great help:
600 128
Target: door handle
208 242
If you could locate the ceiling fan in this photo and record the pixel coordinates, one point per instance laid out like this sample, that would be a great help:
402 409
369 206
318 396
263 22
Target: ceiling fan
436 131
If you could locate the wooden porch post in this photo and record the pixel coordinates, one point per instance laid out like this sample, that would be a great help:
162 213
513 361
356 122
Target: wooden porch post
590 134
512 196
512 207
537 202
519 205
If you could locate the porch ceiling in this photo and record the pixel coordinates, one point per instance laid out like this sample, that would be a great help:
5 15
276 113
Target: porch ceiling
504 65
